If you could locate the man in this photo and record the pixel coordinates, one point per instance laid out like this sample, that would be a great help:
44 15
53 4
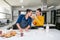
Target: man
24 21
39 19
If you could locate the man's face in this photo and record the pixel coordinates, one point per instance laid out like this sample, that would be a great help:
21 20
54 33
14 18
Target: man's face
38 13
30 13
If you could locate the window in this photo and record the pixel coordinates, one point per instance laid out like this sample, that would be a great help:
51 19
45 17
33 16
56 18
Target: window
23 13
2 16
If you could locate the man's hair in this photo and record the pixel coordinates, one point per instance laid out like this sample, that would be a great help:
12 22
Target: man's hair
28 10
39 9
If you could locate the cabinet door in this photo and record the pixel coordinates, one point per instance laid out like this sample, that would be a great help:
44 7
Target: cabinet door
53 16
45 16
58 16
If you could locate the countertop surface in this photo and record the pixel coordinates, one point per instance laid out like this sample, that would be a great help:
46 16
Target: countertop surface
36 34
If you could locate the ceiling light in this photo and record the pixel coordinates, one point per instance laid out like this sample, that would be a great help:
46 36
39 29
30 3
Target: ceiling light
50 7
22 6
21 1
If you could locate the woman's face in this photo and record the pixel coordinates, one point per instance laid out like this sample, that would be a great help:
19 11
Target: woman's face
38 13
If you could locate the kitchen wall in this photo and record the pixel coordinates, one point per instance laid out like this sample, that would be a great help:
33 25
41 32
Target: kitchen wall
15 11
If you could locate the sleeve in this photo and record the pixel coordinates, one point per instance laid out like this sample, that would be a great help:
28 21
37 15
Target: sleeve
19 19
30 21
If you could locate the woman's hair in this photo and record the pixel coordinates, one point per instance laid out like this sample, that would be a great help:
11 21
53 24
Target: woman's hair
39 9
28 10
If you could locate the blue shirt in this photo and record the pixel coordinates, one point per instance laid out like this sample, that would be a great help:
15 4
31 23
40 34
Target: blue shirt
22 17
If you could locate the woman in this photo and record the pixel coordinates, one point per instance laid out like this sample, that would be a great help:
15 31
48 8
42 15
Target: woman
38 19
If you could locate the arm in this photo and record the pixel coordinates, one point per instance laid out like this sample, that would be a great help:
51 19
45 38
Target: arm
20 29
18 23
26 29
18 26
29 25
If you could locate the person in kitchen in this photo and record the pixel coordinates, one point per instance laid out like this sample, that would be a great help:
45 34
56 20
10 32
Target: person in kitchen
24 21
38 18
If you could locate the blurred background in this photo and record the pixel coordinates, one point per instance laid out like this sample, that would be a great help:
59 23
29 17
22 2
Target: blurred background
11 9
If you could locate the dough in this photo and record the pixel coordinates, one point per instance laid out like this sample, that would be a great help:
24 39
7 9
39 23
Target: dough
7 35
13 33
3 35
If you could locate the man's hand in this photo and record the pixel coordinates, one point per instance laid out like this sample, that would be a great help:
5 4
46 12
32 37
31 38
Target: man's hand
21 30
26 29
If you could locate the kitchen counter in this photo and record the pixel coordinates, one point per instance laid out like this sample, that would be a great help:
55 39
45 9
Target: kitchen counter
36 34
